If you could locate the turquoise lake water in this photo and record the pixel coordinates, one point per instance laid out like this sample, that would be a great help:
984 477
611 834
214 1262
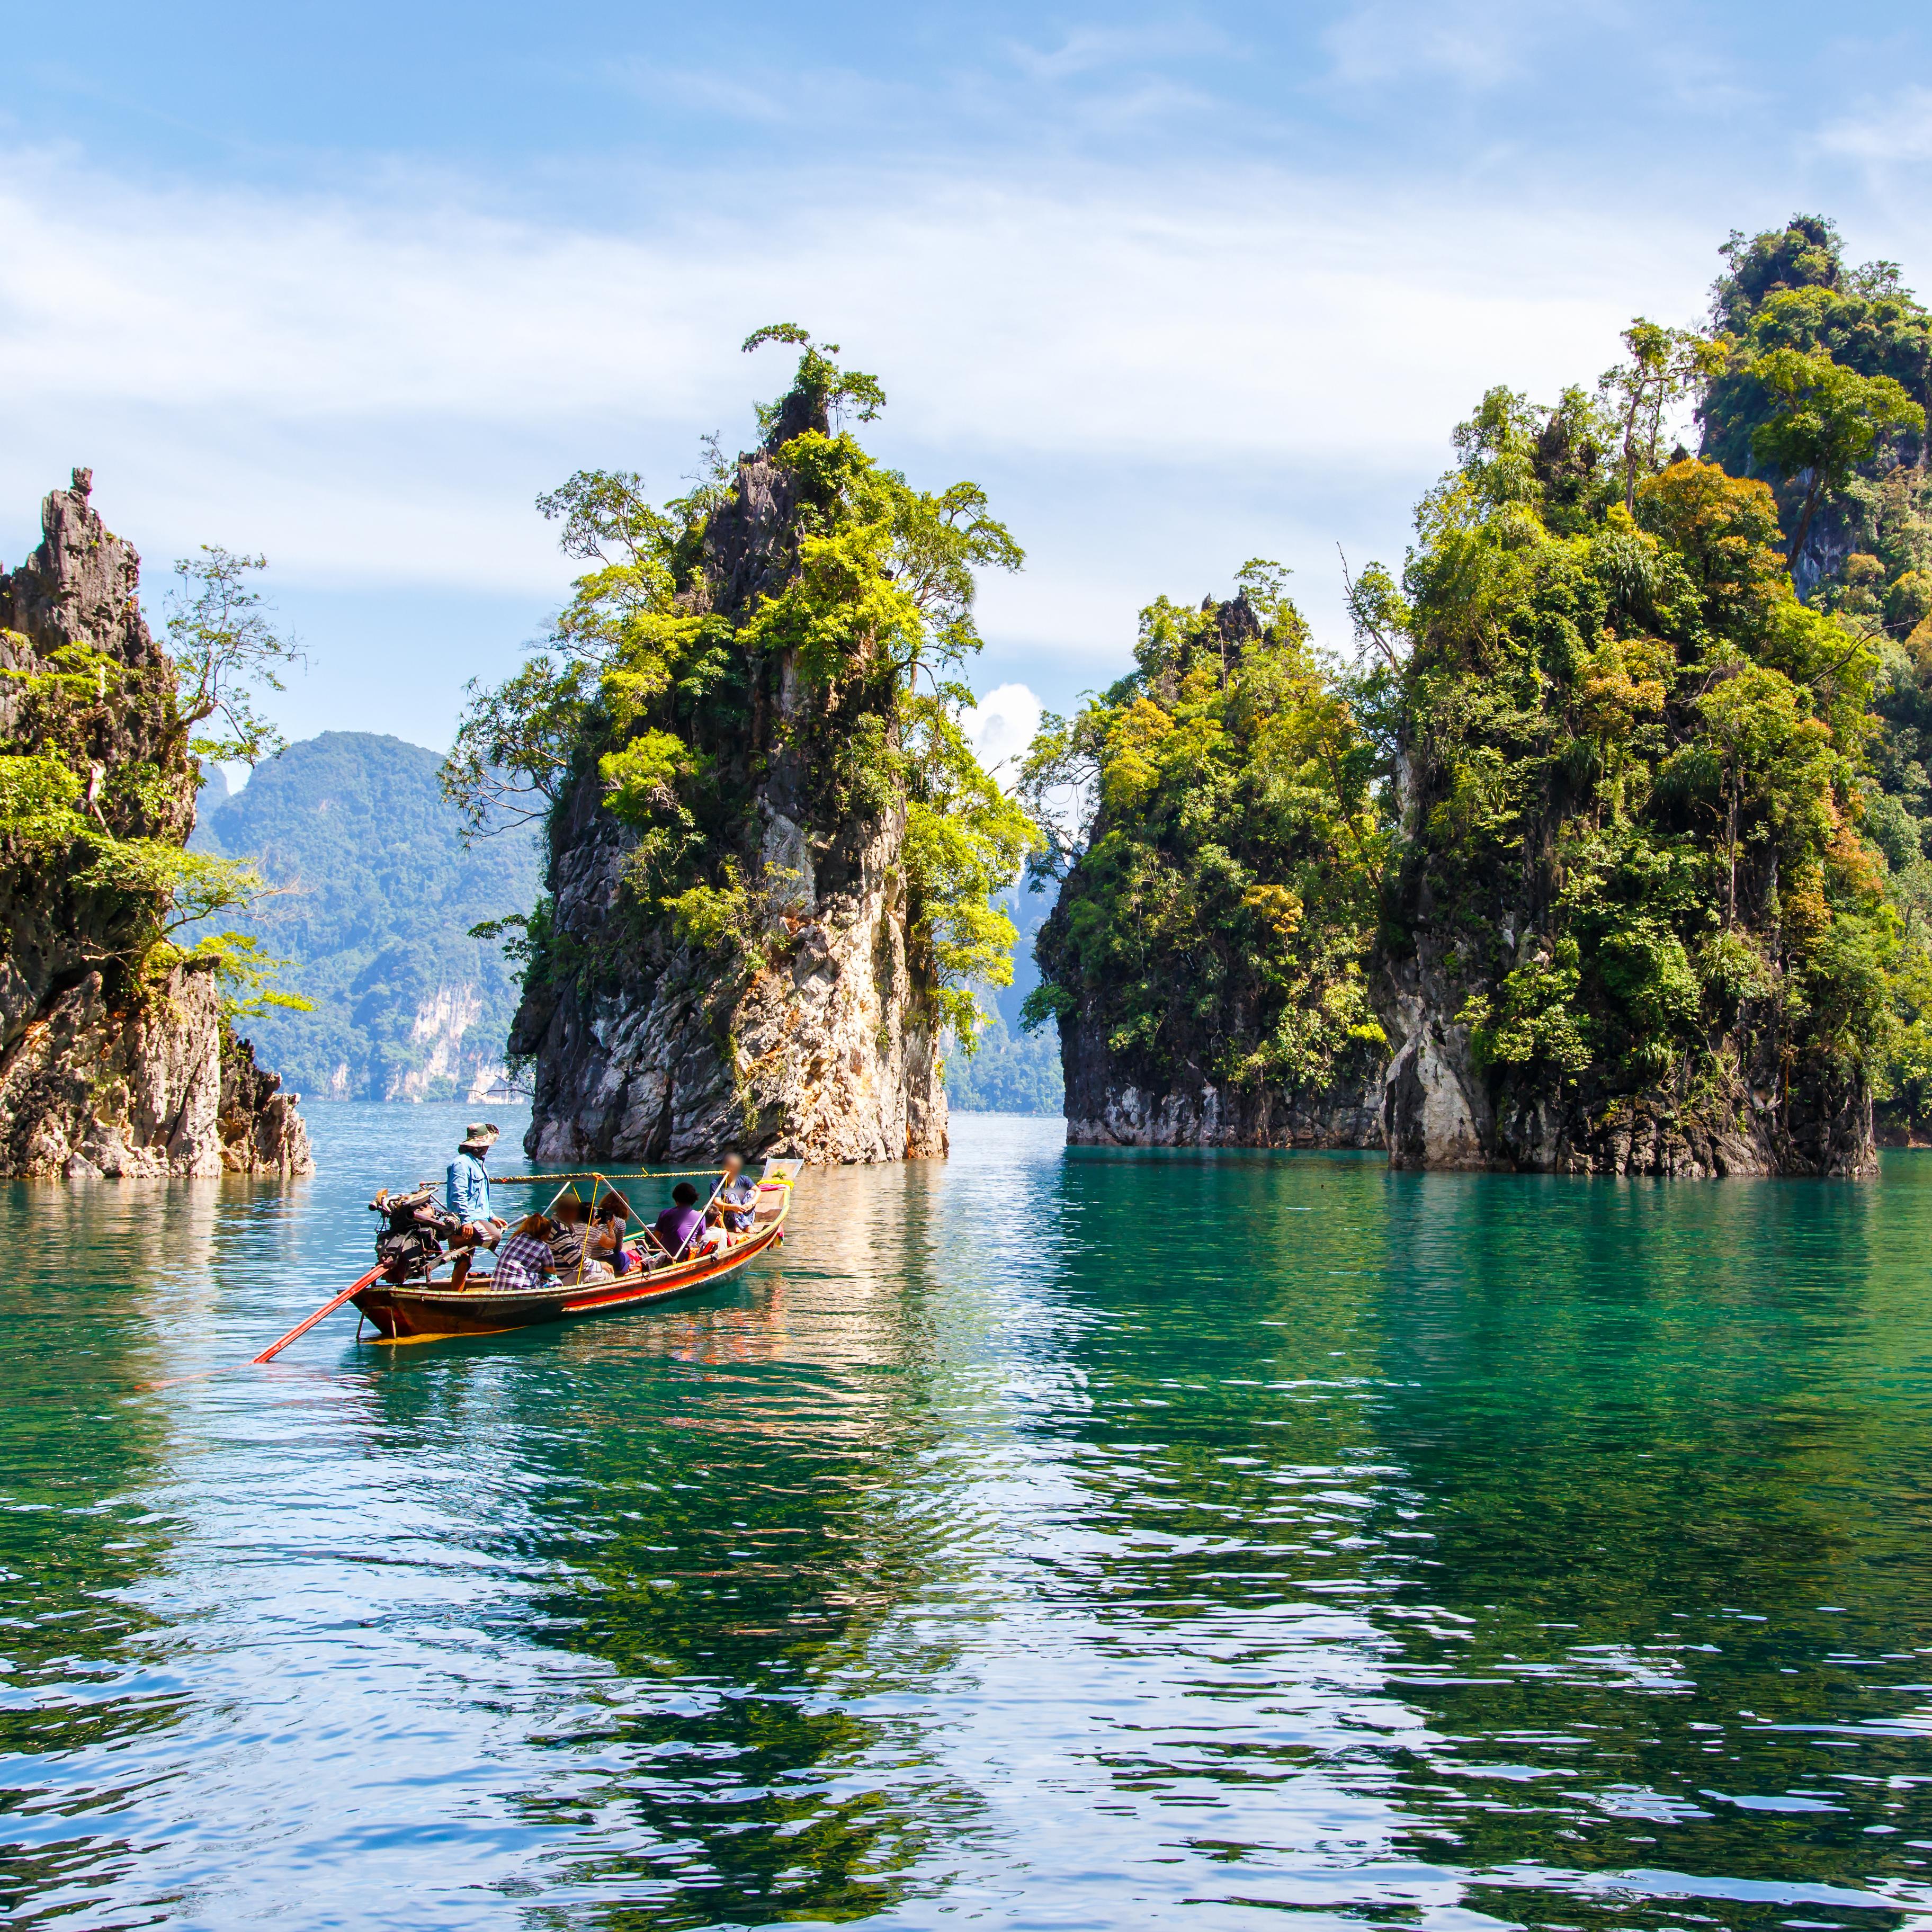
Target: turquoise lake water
1042 1539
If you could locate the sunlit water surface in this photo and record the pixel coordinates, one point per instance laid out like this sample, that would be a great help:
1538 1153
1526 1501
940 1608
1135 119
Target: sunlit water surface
1041 1539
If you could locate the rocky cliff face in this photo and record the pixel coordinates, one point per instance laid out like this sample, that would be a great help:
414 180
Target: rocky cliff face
102 1069
825 1045
1442 1107
1108 1106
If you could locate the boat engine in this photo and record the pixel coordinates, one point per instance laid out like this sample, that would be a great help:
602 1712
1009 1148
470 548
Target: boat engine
410 1241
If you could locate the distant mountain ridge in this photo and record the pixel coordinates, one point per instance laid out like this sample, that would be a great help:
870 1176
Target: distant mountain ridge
377 894
1012 1071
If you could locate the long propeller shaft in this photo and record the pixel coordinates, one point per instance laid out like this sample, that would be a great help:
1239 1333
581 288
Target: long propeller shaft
301 1328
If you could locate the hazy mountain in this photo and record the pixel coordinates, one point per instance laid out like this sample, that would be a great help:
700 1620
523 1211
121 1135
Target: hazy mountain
1012 1073
378 895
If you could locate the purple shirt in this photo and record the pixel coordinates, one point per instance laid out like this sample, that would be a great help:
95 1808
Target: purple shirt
676 1225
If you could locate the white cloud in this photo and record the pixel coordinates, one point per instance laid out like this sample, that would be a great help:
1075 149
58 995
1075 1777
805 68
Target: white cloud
1883 134
1160 372
1087 50
1476 42
1001 726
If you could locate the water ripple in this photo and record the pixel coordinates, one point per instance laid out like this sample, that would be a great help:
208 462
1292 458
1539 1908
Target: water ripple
1450 1551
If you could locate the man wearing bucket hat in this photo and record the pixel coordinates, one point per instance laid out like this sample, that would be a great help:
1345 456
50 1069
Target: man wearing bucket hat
467 1196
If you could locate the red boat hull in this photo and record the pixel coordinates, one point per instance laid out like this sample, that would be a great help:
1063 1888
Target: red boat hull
421 1312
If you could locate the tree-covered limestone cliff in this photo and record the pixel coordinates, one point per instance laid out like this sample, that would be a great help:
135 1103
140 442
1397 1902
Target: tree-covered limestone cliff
118 1050
376 894
1618 836
1866 554
1206 960
771 852
1632 924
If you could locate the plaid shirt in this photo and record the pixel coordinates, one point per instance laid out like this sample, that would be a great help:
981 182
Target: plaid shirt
522 1261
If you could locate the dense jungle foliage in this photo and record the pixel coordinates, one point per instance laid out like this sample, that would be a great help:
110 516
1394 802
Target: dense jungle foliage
1662 818
1866 557
793 630
100 761
1220 897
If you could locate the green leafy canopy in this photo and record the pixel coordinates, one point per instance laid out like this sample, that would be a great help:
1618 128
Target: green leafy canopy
675 693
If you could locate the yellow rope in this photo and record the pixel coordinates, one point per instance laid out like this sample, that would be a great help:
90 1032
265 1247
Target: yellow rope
675 1174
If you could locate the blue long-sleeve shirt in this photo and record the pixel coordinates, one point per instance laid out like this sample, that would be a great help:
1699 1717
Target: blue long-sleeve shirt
467 1192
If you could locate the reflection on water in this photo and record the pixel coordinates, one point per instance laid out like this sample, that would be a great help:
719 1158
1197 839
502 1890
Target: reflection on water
1041 1539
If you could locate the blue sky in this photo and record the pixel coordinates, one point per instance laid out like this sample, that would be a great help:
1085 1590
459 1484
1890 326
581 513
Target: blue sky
351 285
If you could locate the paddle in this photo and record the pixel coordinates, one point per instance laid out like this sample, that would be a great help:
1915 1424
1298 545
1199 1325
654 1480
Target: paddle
301 1328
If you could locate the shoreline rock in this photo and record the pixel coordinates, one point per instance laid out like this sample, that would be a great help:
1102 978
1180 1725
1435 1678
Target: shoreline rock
102 1071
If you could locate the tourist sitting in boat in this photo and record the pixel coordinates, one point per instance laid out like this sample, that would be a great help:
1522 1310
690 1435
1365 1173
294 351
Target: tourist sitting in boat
609 1220
672 1232
523 1259
716 1235
572 1254
467 1196
738 1196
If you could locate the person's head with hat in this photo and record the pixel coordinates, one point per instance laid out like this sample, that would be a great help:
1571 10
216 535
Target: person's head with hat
467 1196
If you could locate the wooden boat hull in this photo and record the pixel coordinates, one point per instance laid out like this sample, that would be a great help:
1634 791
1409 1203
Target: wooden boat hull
420 1311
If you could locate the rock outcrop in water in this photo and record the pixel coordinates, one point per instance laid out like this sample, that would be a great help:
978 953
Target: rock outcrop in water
1107 1107
829 1053
106 1068
1205 961
1647 840
769 873
1444 1105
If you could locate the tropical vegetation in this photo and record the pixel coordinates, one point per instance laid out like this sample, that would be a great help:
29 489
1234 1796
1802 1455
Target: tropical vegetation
1227 842
98 777
662 690
1631 757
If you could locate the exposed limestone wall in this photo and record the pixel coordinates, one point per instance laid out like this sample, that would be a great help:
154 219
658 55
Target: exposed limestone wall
1440 1109
100 1073
828 1054
441 1023
260 1131
1435 1107
149 1091
1108 1106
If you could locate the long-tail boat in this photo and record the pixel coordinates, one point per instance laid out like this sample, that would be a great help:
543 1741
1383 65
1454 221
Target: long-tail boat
429 1310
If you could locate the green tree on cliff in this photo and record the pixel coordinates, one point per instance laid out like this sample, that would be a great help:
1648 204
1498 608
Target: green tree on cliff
1824 421
1221 868
1599 773
658 681
224 647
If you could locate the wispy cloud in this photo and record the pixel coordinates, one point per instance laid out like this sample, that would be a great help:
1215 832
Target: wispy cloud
1477 44
1157 376
1090 49
1884 134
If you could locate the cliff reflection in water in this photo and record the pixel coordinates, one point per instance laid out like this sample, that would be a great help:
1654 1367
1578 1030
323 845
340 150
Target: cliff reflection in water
1042 1536
100 1280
